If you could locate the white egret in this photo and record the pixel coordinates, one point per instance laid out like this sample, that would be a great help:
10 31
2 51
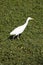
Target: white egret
17 31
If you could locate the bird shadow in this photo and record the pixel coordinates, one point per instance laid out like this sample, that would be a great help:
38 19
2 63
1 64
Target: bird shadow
11 37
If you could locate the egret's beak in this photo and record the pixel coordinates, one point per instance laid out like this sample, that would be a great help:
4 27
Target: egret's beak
32 18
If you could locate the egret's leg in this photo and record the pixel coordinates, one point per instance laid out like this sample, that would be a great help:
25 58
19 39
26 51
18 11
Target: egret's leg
13 37
18 37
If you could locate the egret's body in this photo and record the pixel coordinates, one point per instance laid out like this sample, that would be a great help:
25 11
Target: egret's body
20 29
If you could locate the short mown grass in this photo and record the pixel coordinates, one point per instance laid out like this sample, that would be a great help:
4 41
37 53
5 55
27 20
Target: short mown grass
28 50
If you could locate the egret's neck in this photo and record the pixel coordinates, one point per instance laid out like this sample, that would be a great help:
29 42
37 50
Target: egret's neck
26 22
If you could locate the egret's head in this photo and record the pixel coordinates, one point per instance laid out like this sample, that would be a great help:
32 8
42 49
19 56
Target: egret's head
29 18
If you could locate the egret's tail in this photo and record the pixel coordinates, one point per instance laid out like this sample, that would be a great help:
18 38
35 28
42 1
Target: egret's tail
11 33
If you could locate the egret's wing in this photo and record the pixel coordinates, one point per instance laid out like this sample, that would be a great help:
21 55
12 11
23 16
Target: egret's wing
17 30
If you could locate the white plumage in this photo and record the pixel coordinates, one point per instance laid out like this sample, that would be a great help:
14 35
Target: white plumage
20 29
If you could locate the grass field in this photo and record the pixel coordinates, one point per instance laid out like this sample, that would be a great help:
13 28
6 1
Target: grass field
28 50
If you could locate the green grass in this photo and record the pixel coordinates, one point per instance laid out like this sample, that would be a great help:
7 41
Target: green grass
28 50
